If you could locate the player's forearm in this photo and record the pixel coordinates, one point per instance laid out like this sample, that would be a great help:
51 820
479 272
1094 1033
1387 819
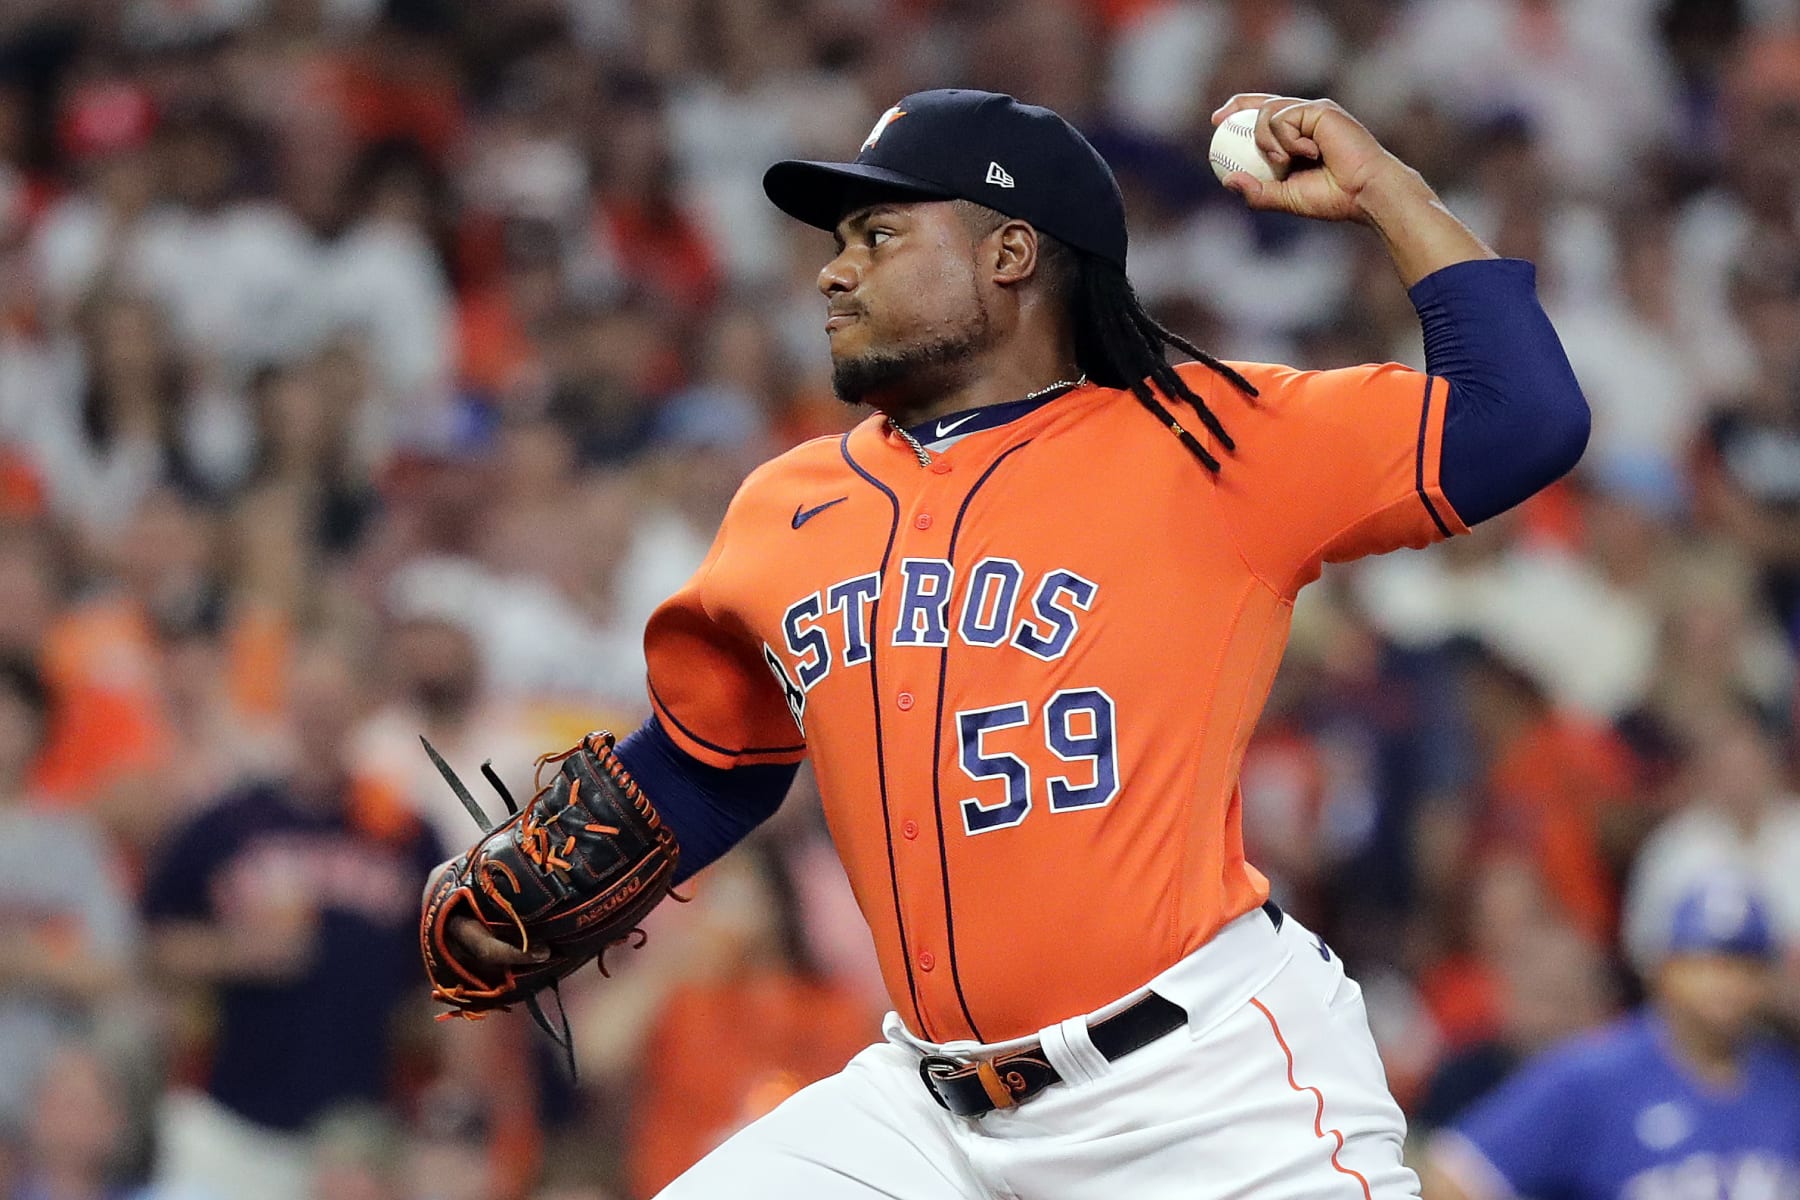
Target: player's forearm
709 809
193 953
1422 235
38 965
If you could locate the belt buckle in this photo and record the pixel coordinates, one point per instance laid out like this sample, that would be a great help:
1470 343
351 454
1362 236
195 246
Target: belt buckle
1002 1091
933 1067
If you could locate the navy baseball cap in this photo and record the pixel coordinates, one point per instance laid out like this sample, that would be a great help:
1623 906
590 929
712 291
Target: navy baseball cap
956 144
1721 916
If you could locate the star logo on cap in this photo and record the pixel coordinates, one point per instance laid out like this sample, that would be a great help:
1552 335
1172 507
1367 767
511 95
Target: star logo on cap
887 118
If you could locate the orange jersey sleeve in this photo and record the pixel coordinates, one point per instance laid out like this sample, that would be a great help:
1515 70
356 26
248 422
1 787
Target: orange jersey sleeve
709 683
1329 465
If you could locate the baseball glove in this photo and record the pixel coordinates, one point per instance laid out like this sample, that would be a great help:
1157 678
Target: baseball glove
571 873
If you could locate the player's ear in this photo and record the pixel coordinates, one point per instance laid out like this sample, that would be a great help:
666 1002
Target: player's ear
1014 253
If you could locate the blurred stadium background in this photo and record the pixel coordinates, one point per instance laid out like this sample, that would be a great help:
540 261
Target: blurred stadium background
370 367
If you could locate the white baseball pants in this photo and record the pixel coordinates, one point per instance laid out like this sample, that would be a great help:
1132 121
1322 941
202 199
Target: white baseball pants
1273 1090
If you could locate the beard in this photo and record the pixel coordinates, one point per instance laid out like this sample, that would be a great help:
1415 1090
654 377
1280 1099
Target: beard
911 373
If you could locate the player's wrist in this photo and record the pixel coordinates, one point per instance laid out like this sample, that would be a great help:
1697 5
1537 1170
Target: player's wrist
1392 195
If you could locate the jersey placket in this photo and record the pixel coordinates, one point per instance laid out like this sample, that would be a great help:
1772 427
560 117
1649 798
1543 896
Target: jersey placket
913 682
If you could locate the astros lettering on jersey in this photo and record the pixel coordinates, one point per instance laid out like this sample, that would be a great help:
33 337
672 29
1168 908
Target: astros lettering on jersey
1003 681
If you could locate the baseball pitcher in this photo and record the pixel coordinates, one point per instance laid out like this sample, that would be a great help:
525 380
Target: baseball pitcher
1022 620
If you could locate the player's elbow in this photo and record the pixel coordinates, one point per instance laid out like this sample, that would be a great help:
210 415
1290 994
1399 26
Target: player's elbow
1550 440
1562 437
1503 445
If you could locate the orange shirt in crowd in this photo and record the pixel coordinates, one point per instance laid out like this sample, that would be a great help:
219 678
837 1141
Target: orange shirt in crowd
721 1055
495 351
1463 996
21 491
1552 790
99 663
378 102
662 251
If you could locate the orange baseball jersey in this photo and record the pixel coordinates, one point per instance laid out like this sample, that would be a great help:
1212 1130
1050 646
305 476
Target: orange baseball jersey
1026 670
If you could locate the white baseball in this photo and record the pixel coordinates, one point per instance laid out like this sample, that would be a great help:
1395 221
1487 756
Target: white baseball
1234 148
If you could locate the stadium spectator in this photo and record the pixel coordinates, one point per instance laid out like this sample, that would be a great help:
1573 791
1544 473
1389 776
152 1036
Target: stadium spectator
65 915
1550 987
96 231
88 1134
1684 1097
297 912
306 497
441 694
1741 816
1554 789
1631 352
232 270
1749 484
108 427
357 1154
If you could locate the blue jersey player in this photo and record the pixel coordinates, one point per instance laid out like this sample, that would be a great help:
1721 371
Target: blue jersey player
1684 1099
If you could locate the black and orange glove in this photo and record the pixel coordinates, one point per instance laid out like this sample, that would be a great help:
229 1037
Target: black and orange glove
569 875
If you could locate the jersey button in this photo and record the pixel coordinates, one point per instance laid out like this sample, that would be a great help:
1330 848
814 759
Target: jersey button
922 521
904 700
926 960
939 467
910 829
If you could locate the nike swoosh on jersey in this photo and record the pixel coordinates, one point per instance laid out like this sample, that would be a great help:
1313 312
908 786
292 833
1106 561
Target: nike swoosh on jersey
802 516
944 430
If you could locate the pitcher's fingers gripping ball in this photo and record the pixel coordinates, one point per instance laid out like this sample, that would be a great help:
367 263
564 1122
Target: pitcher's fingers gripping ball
569 875
1306 157
1234 150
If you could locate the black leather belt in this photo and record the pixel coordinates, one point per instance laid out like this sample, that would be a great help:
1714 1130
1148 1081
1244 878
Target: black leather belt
970 1089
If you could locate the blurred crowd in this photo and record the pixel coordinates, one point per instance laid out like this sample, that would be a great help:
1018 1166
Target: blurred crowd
371 368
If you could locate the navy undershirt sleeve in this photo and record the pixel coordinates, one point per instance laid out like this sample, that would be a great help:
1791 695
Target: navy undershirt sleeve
709 809
1515 420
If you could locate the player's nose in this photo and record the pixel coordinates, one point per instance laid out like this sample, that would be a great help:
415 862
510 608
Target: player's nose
838 276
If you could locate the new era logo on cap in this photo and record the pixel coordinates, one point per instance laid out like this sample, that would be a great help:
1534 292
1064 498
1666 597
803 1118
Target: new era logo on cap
997 175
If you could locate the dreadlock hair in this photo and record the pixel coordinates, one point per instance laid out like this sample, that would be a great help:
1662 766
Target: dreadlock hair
1120 345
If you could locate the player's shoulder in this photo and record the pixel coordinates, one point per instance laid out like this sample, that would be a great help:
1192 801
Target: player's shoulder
803 459
793 472
1574 1077
250 810
1777 1067
1271 381
1262 376
1281 403
1626 1048
1590 1062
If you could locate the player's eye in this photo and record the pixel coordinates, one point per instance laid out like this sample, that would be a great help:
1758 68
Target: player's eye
878 236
